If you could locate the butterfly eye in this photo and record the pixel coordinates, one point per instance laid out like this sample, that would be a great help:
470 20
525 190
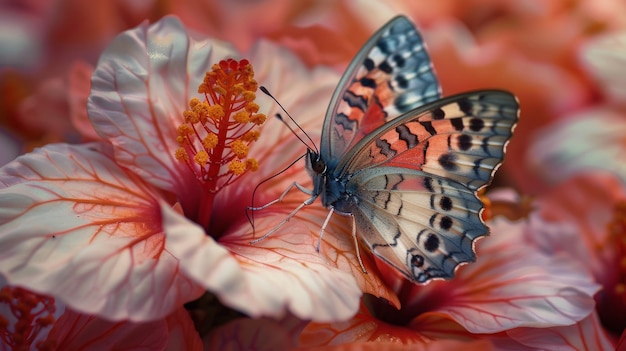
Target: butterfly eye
319 166
315 162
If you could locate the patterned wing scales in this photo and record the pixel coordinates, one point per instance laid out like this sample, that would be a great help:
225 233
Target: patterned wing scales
391 74
462 138
423 225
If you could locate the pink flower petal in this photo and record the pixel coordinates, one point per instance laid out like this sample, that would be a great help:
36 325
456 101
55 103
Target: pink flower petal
509 287
605 57
182 333
140 88
75 331
282 273
254 334
74 225
79 85
589 140
587 334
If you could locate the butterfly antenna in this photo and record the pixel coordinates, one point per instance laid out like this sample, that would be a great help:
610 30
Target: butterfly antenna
252 208
266 92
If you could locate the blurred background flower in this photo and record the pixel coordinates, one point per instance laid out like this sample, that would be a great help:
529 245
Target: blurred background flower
564 59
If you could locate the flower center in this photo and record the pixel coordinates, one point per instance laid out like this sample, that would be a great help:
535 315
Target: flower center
30 314
216 133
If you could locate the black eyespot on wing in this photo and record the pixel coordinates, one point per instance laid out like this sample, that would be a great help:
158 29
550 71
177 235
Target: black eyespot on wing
445 223
448 162
432 243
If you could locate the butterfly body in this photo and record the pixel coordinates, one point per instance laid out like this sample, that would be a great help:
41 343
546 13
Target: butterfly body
406 163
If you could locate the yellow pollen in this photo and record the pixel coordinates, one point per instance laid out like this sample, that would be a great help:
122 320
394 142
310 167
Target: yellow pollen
193 102
239 148
252 107
190 117
237 167
242 117
181 154
252 164
216 112
201 158
210 141
250 136
258 118
249 96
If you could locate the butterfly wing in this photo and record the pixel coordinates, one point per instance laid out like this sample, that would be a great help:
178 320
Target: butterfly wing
414 181
462 138
390 75
423 225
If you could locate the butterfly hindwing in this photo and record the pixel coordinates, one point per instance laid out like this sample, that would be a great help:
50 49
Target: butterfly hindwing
462 138
390 75
423 225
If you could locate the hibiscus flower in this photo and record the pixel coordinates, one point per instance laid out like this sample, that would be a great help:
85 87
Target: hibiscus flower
513 297
128 228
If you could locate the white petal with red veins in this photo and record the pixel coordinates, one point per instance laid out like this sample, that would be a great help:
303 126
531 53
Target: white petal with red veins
73 224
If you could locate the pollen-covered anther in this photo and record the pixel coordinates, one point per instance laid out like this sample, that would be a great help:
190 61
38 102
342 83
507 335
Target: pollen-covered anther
236 167
242 117
250 136
215 112
248 96
239 148
201 158
252 164
252 107
210 141
181 154
258 118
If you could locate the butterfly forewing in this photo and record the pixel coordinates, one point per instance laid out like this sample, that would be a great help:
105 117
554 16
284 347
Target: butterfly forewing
462 138
423 225
390 75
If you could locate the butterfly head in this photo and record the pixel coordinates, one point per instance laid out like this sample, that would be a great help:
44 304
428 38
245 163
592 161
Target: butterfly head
314 164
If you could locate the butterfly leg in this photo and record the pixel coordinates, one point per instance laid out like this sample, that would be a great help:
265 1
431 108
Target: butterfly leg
293 213
356 240
282 196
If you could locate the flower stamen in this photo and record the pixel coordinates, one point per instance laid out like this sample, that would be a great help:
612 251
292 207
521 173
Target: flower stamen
31 314
216 134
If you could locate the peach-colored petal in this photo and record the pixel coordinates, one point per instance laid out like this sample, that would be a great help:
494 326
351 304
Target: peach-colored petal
586 202
362 327
586 335
140 88
75 331
75 225
182 333
605 57
508 287
253 334
589 140
79 85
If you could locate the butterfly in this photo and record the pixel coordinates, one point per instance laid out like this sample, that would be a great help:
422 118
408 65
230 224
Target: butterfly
405 163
